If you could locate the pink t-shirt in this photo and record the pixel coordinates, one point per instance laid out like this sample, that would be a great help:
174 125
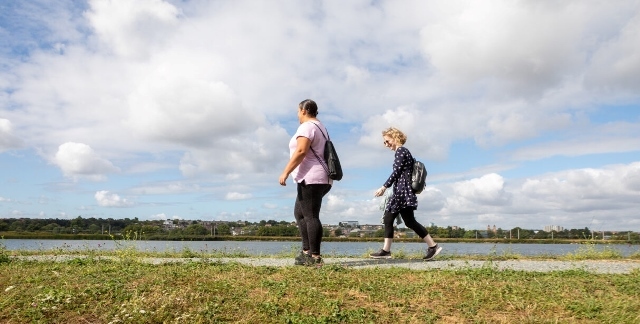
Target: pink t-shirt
310 170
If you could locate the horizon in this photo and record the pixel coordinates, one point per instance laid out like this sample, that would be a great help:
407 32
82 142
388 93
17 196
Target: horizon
523 113
332 224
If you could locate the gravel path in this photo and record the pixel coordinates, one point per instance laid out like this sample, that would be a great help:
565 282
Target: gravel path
593 266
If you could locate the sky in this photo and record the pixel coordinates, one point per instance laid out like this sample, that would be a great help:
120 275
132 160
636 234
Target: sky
525 113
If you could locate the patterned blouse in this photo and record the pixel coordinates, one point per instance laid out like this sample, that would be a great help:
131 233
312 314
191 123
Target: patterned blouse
403 196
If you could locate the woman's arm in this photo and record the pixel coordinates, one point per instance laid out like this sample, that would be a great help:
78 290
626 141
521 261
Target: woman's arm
398 162
298 155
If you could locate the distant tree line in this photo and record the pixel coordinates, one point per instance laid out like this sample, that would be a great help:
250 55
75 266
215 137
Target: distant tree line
146 228
175 229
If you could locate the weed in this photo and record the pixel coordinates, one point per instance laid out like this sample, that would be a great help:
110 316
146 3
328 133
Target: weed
590 251
4 253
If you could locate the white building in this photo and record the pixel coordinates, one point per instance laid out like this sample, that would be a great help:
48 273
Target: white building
554 228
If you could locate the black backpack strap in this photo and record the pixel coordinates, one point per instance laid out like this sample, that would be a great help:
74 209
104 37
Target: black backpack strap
327 138
322 161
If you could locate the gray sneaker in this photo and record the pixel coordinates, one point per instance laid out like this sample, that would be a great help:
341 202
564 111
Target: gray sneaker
382 254
301 258
432 252
313 261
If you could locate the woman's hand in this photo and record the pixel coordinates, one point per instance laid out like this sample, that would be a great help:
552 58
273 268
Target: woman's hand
380 191
283 179
297 156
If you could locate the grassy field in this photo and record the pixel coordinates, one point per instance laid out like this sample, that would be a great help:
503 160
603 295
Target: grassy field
126 290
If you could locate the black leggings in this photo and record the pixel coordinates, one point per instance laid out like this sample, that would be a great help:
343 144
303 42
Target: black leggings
409 220
307 214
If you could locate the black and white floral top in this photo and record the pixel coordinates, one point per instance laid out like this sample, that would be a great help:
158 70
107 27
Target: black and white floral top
403 196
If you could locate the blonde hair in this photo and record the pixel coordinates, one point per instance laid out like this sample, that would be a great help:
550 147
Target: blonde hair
396 134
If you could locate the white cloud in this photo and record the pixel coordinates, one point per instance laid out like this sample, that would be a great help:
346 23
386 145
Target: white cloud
207 91
486 190
616 63
525 47
107 199
237 196
431 199
79 160
610 138
581 190
159 216
164 188
270 206
8 141
490 218
187 111
133 28
259 151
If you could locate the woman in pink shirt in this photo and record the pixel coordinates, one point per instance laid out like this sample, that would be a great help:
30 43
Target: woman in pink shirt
312 180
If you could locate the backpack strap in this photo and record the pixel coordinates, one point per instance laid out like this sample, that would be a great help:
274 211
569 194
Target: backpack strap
323 163
327 138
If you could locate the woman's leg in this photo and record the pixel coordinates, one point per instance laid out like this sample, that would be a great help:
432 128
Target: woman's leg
310 202
385 253
300 220
429 240
410 221
388 219
302 224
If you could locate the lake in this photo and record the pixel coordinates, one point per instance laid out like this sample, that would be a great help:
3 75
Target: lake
350 249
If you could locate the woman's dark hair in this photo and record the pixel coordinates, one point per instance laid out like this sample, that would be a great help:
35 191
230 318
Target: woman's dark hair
310 106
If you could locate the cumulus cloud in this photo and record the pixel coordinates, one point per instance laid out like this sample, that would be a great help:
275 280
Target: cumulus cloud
107 199
586 189
159 86
524 47
191 112
8 141
80 160
260 151
132 28
487 190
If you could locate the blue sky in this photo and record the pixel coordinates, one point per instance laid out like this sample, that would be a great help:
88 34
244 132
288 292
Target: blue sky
526 113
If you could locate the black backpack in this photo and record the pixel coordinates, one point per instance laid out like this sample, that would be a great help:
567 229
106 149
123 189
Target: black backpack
418 177
331 161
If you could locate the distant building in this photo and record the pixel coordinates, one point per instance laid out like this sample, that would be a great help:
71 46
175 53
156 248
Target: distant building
370 227
168 224
553 228
353 224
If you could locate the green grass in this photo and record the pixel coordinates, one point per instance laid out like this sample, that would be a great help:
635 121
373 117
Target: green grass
92 290
89 288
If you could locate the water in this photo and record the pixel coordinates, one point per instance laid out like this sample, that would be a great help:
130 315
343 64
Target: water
351 249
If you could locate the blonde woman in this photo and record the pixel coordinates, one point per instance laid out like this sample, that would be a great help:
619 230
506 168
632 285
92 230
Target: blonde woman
403 200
